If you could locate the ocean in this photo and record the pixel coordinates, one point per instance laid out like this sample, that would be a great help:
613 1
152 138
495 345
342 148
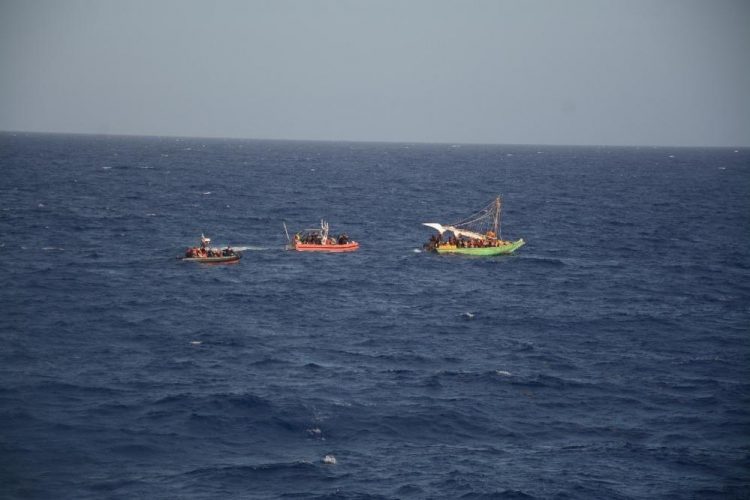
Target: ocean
608 358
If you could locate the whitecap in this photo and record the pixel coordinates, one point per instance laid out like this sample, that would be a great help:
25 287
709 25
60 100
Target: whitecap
207 192
468 315
316 433
502 373
329 460
195 342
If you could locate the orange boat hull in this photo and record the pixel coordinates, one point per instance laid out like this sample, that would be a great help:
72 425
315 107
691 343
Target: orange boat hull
335 248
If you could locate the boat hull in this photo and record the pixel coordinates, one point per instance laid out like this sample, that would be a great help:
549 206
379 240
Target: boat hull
335 248
483 251
213 260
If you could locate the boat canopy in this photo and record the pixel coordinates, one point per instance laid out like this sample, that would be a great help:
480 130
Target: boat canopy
457 231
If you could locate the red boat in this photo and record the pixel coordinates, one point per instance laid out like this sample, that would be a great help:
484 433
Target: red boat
330 247
319 240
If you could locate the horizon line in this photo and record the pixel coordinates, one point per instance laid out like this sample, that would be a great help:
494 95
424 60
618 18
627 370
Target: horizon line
368 141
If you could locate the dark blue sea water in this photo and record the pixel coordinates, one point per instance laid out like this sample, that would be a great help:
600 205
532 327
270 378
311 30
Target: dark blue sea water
608 358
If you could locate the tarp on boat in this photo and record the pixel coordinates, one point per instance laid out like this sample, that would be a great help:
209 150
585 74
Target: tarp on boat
458 232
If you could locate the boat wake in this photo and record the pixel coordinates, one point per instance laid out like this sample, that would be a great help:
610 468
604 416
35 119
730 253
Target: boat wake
250 248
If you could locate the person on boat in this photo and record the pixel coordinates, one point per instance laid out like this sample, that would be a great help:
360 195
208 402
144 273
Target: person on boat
432 244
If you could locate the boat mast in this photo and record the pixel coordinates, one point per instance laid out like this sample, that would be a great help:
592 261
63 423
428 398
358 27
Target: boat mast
324 231
497 217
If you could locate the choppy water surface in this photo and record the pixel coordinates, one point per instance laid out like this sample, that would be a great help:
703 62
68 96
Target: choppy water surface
609 358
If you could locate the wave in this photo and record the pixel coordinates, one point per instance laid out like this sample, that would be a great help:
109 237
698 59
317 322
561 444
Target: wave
248 472
294 478
225 401
541 261
498 495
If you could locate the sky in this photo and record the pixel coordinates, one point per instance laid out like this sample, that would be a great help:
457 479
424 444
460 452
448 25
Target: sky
587 72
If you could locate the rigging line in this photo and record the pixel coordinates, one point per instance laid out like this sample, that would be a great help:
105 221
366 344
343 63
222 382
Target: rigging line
468 222
484 213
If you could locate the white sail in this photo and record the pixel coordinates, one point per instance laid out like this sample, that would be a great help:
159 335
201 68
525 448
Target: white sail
455 230
436 226
463 232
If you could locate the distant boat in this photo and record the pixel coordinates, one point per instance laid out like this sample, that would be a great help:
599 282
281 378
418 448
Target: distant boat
319 240
478 234
208 255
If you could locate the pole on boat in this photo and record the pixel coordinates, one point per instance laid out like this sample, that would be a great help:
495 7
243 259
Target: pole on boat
497 217
288 240
324 231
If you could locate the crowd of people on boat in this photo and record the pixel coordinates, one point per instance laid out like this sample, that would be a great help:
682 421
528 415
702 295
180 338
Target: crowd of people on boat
205 252
316 238
437 241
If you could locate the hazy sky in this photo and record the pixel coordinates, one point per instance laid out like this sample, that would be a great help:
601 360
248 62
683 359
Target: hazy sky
645 72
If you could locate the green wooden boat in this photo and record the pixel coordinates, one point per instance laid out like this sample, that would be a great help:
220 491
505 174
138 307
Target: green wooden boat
478 234
509 247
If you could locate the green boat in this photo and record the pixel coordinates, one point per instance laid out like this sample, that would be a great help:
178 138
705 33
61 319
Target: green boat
478 234
508 247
